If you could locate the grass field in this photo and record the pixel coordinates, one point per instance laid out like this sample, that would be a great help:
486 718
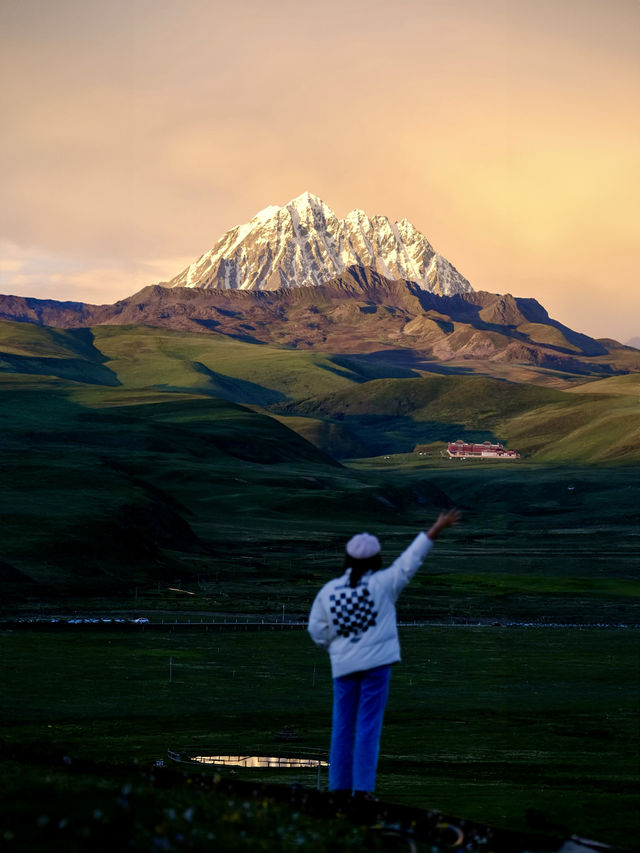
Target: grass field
161 473
514 727
143 475
111 496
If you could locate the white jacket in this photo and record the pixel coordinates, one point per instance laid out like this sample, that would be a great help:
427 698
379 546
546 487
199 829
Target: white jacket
358 625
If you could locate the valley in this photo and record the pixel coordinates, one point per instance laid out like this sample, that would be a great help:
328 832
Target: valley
138 459
207 476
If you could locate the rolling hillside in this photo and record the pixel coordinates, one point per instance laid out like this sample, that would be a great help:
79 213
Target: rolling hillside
135 456
123 463
360 312
345 405
594 425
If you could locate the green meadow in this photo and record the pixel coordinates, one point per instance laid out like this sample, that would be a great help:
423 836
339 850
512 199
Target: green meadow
520 728
164 474
137 461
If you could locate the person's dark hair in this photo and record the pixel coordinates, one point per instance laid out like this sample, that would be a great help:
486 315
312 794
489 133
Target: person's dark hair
361 567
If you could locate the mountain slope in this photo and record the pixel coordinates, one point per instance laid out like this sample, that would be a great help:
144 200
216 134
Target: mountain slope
303 243
158 474
298 277
360 312
142 357
600 424
394 415
347 406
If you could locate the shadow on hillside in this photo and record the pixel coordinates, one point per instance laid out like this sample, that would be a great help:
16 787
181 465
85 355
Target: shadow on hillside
76 369
467 307
398 434
237 390
384 364
402 364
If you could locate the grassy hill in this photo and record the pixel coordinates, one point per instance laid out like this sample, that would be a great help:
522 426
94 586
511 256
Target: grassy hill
360 312
144 357
123 464
136 457
346 405
600 424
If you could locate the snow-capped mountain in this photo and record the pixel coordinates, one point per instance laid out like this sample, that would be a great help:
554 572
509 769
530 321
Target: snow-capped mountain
304 243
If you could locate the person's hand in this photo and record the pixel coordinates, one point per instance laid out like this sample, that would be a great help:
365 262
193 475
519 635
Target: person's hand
446 519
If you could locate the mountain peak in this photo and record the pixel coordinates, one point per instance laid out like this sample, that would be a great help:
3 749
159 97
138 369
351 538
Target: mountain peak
305 199
304 243
300 203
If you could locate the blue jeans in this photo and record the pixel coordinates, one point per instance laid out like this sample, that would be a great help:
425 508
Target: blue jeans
358 707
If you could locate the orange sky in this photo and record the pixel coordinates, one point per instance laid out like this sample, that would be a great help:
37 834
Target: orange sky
137 131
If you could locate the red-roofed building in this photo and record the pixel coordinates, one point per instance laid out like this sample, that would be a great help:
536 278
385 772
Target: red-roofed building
461 450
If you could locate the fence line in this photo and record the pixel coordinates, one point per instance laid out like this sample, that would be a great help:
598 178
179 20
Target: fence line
298 625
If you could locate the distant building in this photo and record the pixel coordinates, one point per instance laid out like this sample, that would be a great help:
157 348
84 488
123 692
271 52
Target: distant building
461 450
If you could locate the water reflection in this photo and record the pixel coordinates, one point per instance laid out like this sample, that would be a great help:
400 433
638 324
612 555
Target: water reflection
259 761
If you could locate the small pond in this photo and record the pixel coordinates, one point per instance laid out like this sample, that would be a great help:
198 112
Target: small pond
261 761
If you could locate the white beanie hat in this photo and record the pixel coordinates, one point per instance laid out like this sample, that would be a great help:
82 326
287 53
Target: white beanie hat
363 545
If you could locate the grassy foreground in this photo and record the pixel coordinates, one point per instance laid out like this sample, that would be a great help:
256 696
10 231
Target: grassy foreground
80 806
513 727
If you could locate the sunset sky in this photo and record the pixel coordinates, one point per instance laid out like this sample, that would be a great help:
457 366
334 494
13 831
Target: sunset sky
135 132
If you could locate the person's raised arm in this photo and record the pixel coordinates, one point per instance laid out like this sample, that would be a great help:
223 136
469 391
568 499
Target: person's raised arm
404 567
446 519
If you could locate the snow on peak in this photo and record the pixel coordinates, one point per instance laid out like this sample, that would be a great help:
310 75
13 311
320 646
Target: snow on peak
357 213
306 198
304 243
266 214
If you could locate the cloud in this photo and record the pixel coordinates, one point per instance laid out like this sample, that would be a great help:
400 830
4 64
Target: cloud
10 265
28 272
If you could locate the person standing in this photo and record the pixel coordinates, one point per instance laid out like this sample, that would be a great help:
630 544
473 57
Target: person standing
353 617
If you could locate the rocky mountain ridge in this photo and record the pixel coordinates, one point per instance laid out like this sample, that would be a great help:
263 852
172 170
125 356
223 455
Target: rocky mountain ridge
304 244
360 312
